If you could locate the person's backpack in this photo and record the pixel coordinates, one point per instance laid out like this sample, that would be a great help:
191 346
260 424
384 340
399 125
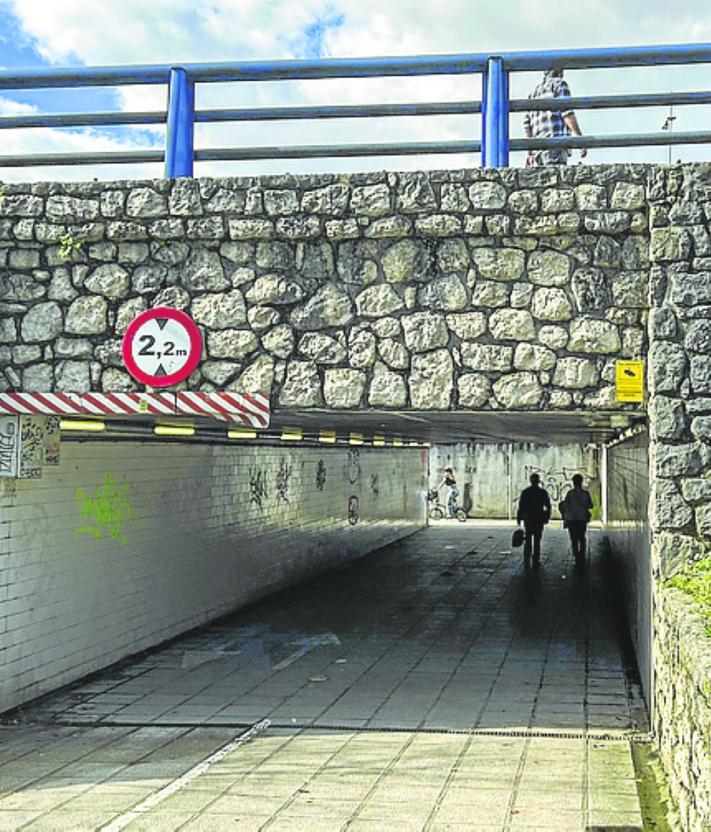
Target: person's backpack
563 509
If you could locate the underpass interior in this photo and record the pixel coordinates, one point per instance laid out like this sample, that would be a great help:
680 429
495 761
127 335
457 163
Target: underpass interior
293 578
137 539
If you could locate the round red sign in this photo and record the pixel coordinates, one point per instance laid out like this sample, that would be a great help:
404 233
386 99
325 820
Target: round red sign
161 347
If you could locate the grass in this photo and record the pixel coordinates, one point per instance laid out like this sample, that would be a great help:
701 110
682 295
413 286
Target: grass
695 581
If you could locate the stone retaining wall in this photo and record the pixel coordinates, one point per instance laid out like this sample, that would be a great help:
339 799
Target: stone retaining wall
468 289
682 723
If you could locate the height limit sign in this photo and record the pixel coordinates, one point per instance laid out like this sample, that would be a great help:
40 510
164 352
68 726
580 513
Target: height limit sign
161 347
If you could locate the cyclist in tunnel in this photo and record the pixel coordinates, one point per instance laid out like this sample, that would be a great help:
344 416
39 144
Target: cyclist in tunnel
534 511
450 481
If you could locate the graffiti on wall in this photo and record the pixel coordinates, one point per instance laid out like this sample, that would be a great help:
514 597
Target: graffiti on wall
353 470
321 475
557 482
375 484
108 510
258 489
9 439
283 481
353 515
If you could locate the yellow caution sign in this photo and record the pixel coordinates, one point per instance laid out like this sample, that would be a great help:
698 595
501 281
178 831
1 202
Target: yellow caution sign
629 381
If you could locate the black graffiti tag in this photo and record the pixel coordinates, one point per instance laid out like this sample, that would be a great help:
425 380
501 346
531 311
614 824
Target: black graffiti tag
321 475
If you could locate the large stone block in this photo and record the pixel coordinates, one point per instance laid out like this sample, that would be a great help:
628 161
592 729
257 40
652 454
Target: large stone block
551 304
43 322
447 293
110 280
329 307
387 388
414 193
302 387
431 381
512 325
145 202
489 358
487 196
548 268
667 367
204 272
592 335
376 301
87 316
219 310
344 387
233 344
425 331
518 391
576 373
474 390
504 264
322 348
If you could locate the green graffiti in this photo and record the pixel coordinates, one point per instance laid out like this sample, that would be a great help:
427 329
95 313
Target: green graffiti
108 510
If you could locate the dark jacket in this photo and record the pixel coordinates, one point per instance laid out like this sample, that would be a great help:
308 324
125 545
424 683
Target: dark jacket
576 506
534 506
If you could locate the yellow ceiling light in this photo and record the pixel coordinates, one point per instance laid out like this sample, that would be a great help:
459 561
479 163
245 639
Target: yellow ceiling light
292 435
241 433
355 439
89 425
397 443
174 430
378 441
327 437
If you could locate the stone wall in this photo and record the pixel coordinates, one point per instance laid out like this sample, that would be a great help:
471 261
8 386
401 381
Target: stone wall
680 471
468 289
679 372
682 721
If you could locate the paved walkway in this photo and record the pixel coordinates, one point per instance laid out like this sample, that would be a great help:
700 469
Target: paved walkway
433 685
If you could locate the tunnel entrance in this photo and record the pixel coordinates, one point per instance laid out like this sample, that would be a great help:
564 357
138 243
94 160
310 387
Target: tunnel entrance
165 530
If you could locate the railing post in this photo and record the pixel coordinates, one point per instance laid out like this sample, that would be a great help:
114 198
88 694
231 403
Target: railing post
180 127
495 111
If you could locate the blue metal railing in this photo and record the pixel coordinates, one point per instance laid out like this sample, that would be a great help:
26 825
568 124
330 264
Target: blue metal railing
495 106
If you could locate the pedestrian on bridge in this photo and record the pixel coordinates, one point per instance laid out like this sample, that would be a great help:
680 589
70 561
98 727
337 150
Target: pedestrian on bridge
575 510
547 124
534 511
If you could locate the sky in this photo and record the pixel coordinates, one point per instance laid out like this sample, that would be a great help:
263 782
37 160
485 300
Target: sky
73 33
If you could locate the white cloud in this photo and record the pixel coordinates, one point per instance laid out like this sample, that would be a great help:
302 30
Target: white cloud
103 32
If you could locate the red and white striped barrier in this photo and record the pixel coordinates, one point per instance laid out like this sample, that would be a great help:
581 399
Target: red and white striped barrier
251 409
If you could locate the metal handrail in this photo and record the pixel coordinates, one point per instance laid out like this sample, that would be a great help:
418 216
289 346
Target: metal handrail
495 106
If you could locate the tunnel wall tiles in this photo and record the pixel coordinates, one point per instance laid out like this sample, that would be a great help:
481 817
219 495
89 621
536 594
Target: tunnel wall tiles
629 536
125 544
490 476
473 289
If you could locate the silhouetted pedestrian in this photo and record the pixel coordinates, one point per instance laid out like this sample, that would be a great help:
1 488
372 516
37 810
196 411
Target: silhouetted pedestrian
534 511
575 511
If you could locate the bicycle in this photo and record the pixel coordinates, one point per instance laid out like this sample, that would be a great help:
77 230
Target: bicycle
437 511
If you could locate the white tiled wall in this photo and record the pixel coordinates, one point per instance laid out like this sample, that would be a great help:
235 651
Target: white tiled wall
181 534
629 534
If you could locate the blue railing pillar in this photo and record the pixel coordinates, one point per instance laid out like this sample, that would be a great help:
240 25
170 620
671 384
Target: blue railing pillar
495 115
179 147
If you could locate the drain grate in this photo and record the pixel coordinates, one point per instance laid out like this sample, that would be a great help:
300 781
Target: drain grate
526 733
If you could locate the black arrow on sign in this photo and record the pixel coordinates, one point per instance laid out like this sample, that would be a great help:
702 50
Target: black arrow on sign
160 371
161 322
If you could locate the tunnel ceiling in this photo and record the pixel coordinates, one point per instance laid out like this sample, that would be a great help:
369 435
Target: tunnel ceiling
435 427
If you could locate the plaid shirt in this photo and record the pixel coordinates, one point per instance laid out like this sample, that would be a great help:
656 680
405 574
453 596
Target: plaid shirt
543 124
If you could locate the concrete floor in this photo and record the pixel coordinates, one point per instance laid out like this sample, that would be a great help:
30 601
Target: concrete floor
433 685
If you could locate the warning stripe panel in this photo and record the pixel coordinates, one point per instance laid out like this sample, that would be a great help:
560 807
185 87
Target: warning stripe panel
250 409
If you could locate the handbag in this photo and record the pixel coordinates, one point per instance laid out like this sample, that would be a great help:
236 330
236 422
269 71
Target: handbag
517 538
